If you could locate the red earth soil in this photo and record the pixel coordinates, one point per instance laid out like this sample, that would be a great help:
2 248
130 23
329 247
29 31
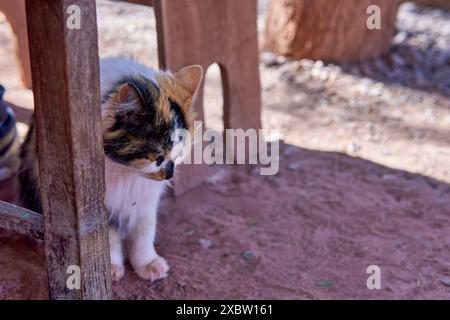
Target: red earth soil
309 232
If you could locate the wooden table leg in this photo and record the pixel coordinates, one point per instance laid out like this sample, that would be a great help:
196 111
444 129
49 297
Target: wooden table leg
208 31
65 73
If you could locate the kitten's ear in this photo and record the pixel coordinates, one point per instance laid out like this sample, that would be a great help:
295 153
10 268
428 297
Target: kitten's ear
190 78
128 102
127 93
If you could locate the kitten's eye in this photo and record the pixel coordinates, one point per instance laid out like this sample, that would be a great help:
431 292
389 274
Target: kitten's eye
180 138
159 160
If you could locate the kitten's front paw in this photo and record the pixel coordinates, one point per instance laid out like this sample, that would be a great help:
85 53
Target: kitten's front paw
155 270
117 272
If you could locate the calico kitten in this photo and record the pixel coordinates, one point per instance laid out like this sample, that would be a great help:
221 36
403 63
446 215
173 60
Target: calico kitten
141 112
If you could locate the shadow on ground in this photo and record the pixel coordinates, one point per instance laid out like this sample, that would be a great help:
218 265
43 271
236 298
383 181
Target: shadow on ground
309 232
419 57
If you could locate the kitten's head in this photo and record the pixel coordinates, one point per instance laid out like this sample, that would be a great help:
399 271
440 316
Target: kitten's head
142 118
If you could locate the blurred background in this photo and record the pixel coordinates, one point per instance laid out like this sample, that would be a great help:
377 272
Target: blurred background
392 108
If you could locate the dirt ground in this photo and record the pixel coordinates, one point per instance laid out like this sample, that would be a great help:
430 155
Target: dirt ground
364 179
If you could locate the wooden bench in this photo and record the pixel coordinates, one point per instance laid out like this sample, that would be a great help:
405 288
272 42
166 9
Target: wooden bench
65 81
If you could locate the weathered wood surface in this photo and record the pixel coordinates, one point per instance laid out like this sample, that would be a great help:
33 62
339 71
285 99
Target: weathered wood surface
21 220
142 2
66 90
14 11
333 31
434 3
205 32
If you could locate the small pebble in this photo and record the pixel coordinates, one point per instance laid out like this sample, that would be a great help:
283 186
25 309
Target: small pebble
289 151
249 255
272 60
325 284
205 243
446 281
252 223
274 182
294 166
353 147
389 177
256 171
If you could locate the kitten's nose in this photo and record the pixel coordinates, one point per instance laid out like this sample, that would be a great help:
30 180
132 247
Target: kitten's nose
169 169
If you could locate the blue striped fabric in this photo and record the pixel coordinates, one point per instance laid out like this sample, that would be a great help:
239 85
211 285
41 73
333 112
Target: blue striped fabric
7 125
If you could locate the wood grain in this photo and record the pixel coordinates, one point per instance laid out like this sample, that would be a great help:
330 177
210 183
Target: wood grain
21 220
434 3
213 31
142 2
16 15
333 31
65 73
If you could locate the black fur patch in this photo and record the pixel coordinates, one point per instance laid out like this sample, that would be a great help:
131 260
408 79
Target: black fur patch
179 116
30 196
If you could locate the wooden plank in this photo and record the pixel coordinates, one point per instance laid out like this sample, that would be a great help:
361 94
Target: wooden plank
65 73
208 31
142 2
21 220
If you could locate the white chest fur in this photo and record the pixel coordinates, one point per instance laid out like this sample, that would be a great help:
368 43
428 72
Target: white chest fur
129 196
